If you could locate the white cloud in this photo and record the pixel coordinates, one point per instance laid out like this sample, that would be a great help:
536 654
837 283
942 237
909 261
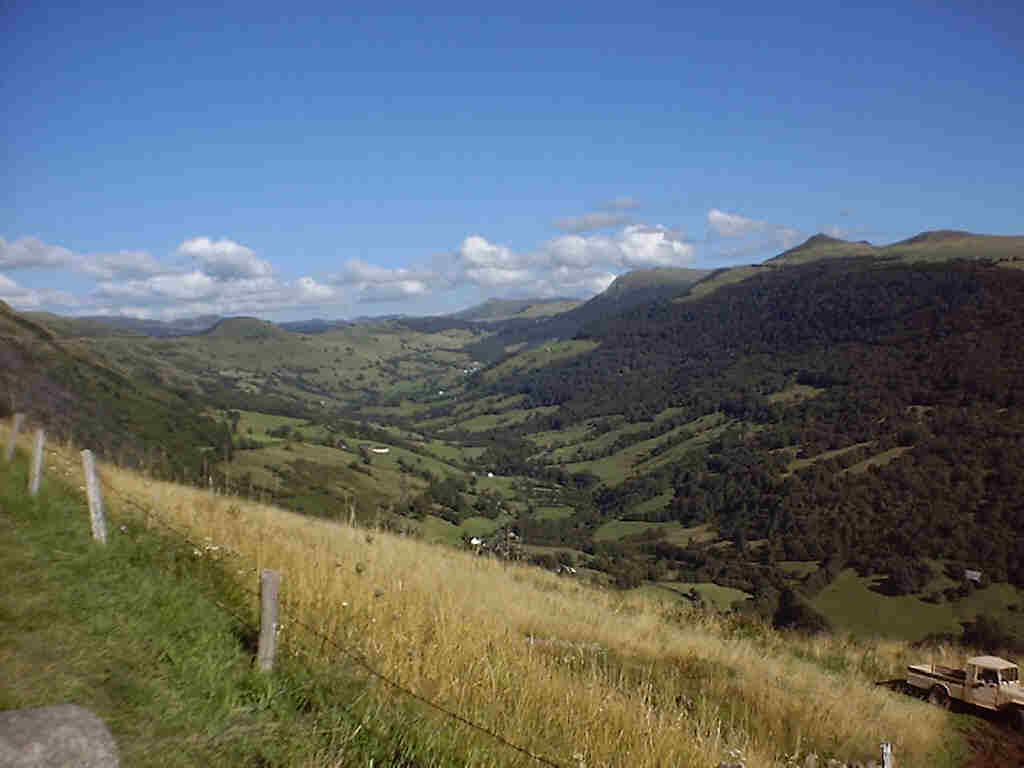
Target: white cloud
655 247
634 247
8 287
581 251
589 222
497 277
490 265
566 281
20 297
28 252
757 238
33 253
787 237
732 224
309 290
373 283
225 258
478 252
228 278
188 286
108 266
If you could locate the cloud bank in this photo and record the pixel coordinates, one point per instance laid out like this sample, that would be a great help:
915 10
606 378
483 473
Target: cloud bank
747 238
229 278
224 276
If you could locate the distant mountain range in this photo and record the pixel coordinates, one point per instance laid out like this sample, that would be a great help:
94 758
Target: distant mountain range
939 245
530 319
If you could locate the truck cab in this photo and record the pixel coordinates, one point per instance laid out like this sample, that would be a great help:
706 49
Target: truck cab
992 683
988 682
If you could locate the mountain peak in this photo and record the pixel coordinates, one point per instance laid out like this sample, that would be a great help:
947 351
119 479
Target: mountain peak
821 246
245 328
654 278
936 236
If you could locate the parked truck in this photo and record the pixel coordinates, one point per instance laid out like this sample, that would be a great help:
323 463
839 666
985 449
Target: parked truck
987 682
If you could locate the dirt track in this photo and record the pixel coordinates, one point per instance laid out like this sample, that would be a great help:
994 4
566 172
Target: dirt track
994 746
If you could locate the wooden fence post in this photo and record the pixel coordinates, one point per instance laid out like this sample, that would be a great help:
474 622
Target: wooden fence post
12 439
36 475
92 487
270 586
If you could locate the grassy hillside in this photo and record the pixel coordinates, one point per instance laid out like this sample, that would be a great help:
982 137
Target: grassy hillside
157 638
497 310
577 674
62 384
940 246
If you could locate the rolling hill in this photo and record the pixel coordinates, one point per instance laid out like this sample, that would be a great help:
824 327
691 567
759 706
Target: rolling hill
60 383
497 310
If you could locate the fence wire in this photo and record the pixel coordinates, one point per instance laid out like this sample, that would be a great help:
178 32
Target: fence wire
351 653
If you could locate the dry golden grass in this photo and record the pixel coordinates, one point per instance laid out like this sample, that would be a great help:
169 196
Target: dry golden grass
584 676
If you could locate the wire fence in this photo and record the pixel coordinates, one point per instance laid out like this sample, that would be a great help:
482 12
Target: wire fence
354 655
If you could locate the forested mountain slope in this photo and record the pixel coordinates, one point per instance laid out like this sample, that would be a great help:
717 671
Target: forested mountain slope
921 363
632 289
61 385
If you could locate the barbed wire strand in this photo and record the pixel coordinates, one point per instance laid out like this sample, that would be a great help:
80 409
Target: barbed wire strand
361 722
355 656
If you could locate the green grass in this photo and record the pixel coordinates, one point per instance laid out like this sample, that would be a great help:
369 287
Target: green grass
652 505
722 598
798 568
559 437
554 513
435 529
878 460
851 605
674 531
797 464
617 467
795 393
159 643
452 453
262 423
488 421
339 366
489 404
536 358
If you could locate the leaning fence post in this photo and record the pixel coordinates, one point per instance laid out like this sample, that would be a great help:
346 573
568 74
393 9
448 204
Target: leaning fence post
270 586
887 761
12 439
37 464
92 487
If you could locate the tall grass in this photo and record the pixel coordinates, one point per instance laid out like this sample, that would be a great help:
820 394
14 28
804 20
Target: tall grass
584 676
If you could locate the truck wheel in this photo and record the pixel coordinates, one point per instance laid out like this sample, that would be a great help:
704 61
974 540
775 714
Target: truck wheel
1017 720
939 697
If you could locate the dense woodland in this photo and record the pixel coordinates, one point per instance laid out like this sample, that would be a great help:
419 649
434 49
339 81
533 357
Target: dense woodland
923 357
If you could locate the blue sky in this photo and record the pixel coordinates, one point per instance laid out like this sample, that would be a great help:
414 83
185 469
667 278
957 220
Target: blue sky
292 160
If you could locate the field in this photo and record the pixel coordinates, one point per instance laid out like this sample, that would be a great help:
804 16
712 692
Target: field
651 453
850 603
617 529
341 366
535 358
651 683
